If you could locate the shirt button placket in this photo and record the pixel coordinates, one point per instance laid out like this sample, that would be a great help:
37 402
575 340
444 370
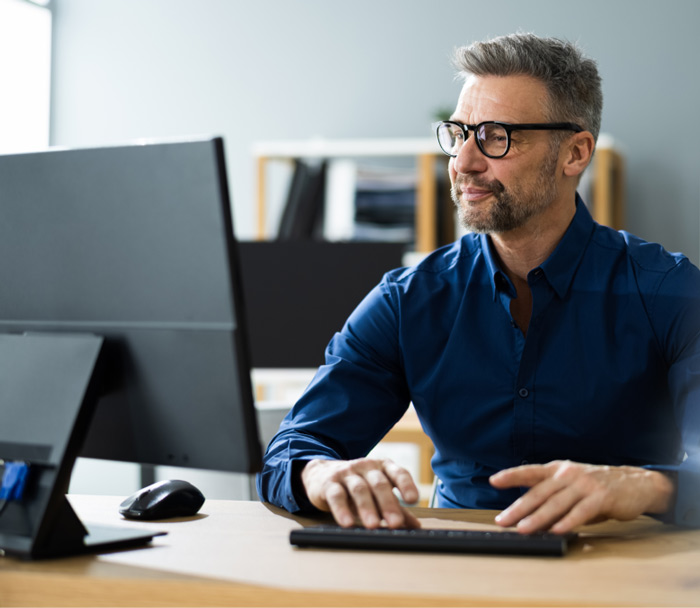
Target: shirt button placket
523 424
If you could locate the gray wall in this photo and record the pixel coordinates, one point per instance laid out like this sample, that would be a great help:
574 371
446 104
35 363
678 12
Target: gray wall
289 69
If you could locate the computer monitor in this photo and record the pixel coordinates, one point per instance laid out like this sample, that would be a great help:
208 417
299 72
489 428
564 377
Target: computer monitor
135 244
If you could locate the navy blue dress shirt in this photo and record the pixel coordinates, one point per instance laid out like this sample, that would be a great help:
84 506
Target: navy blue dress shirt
609 371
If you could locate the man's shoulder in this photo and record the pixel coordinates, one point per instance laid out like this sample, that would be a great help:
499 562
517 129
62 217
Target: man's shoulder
646 256
441 264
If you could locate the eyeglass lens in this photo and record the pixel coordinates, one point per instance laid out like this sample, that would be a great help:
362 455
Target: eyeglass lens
491 138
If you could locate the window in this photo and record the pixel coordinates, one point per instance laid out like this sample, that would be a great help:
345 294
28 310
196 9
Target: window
25 75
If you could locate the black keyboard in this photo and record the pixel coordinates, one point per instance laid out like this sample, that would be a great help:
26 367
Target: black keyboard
430 540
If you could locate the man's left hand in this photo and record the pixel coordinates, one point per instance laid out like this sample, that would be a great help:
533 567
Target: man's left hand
566 494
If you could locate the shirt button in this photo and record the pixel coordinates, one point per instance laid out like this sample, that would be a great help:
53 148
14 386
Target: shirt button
523 392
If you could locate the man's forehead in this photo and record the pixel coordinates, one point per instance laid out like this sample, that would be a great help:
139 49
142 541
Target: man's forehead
515 98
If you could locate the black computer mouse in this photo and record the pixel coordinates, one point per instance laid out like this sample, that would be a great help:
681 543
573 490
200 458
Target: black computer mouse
163 500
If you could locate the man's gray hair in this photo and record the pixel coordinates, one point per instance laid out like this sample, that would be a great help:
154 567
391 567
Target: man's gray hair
571 79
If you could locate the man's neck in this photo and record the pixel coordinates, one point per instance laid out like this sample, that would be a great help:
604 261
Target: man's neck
525 248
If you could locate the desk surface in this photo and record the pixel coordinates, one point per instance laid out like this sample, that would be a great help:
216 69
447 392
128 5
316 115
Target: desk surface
237 553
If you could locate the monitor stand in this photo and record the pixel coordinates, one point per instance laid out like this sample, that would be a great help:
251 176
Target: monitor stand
49 385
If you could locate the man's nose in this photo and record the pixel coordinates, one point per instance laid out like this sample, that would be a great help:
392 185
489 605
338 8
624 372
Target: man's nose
470 159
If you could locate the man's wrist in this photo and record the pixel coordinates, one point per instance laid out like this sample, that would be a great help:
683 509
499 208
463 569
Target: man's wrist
298 489
664 491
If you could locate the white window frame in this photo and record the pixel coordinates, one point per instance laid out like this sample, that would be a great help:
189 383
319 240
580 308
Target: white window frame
25 75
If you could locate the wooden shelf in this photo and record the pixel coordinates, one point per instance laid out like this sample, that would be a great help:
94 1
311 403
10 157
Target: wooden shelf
607 193
425 151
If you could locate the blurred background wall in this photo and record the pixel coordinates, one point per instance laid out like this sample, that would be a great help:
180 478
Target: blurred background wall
295 69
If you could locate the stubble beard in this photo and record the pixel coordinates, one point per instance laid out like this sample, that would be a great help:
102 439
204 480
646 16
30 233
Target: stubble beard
513 207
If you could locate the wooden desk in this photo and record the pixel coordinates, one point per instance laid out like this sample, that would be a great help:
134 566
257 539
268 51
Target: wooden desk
237 553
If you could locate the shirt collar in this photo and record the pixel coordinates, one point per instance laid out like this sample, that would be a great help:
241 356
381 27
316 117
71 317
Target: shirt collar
499 280
560 267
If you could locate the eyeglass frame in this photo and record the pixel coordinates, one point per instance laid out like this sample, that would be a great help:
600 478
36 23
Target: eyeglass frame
508 127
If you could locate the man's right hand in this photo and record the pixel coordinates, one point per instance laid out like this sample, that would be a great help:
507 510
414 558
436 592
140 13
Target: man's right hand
361 489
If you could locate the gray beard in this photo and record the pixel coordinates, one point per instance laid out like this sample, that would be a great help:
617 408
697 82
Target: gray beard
513 208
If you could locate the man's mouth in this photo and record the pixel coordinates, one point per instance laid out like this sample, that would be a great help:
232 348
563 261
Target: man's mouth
474 195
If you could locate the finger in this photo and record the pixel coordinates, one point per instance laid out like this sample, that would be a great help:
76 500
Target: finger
530 502
402 480
363 499
557 507
386 501
526 475
585 511
337 499
388 504
410 520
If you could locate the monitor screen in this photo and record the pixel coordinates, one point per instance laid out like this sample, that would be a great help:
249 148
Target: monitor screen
135 244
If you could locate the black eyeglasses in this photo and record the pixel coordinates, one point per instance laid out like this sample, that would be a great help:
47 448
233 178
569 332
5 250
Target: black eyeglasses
492 137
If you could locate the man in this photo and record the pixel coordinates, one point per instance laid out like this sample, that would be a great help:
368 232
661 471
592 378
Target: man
555 363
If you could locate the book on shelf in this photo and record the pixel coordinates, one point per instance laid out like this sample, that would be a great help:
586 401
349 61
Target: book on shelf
302 215
369 203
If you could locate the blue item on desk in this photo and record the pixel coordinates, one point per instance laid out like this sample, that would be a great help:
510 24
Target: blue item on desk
12 482
163 500
14 478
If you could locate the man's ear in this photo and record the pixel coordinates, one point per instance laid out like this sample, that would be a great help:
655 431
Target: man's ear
579 150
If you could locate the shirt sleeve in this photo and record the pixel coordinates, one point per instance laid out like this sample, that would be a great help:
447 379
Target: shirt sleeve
352 402
675 310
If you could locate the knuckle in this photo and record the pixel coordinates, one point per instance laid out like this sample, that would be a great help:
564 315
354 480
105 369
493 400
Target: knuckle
355 483
379 483
353 466
335 493
388 463
360 466
567 470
